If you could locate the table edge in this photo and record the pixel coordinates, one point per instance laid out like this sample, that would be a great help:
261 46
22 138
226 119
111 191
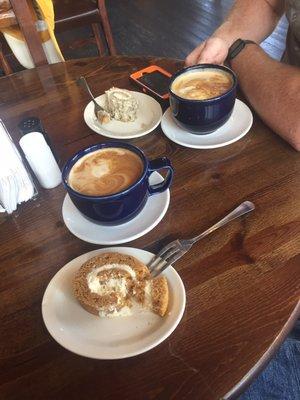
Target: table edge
100 58
259 366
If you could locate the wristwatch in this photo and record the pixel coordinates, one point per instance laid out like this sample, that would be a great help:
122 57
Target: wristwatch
237 47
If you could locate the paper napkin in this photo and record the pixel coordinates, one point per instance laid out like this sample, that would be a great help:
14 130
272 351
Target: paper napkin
16 185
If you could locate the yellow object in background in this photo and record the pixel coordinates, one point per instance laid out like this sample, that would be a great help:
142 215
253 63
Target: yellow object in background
43 14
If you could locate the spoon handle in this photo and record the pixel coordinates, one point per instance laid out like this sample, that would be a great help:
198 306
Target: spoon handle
82 81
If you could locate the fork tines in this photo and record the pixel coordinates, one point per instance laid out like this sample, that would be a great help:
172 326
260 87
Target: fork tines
167 255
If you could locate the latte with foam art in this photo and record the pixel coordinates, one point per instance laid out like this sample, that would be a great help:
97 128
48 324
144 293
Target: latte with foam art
202 84
105 172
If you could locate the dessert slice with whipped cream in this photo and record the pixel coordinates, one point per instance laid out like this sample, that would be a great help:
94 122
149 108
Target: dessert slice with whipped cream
121 104
109 284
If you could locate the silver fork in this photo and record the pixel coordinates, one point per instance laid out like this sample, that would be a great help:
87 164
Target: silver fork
176 249
82 81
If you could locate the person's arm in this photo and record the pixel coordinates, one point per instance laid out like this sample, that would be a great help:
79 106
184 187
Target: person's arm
248 19
273 89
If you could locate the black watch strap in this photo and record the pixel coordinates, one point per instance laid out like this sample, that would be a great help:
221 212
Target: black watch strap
237 47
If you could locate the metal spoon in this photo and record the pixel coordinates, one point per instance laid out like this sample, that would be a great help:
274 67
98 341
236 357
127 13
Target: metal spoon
98 110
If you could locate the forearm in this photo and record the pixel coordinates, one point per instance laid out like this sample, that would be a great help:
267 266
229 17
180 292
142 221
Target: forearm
273 89
250 19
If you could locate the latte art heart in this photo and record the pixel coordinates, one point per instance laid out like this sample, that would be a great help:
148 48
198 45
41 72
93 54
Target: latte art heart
105 172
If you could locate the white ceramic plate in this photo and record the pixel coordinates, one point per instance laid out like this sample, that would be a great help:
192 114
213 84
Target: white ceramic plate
148 118
234 129
153 212
107 338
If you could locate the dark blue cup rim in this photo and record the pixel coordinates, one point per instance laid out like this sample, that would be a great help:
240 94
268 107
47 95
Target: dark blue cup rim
202 66
71 162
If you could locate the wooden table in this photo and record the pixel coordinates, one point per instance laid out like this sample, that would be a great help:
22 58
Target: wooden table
242 282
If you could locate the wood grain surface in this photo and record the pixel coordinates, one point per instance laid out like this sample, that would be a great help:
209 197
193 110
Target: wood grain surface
242 282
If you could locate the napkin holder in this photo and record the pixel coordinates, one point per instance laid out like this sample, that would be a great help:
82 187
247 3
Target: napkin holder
14 174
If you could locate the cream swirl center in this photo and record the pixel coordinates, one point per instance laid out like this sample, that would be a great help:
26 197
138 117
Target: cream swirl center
105 172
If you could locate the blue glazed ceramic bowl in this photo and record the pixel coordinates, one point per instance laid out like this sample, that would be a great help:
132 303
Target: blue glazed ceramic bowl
203 116
120 207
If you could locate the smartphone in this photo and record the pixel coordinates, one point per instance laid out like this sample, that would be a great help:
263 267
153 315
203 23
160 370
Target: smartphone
153 79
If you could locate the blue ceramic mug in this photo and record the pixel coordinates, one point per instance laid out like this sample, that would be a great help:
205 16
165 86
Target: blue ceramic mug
120 207
203 116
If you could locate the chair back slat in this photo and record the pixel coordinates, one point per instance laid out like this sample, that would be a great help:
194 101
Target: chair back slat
26 22
3 63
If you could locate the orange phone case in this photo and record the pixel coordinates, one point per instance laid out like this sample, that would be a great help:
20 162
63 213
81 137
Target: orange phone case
152 68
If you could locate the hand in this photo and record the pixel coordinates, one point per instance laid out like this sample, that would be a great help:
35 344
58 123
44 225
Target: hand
214 50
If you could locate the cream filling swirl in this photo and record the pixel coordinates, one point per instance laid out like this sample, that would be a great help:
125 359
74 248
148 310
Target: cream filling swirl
118 285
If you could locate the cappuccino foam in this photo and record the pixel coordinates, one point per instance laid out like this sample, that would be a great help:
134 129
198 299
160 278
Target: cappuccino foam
106 171
202 84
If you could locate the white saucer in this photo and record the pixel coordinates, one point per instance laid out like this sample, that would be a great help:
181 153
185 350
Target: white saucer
153 212
107 338
234 129
148 118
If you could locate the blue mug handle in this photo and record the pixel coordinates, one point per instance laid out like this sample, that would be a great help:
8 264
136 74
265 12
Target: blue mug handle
156 165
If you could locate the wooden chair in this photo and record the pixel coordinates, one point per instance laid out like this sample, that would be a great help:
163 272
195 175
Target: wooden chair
72 13
4 63
26 23
69 14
